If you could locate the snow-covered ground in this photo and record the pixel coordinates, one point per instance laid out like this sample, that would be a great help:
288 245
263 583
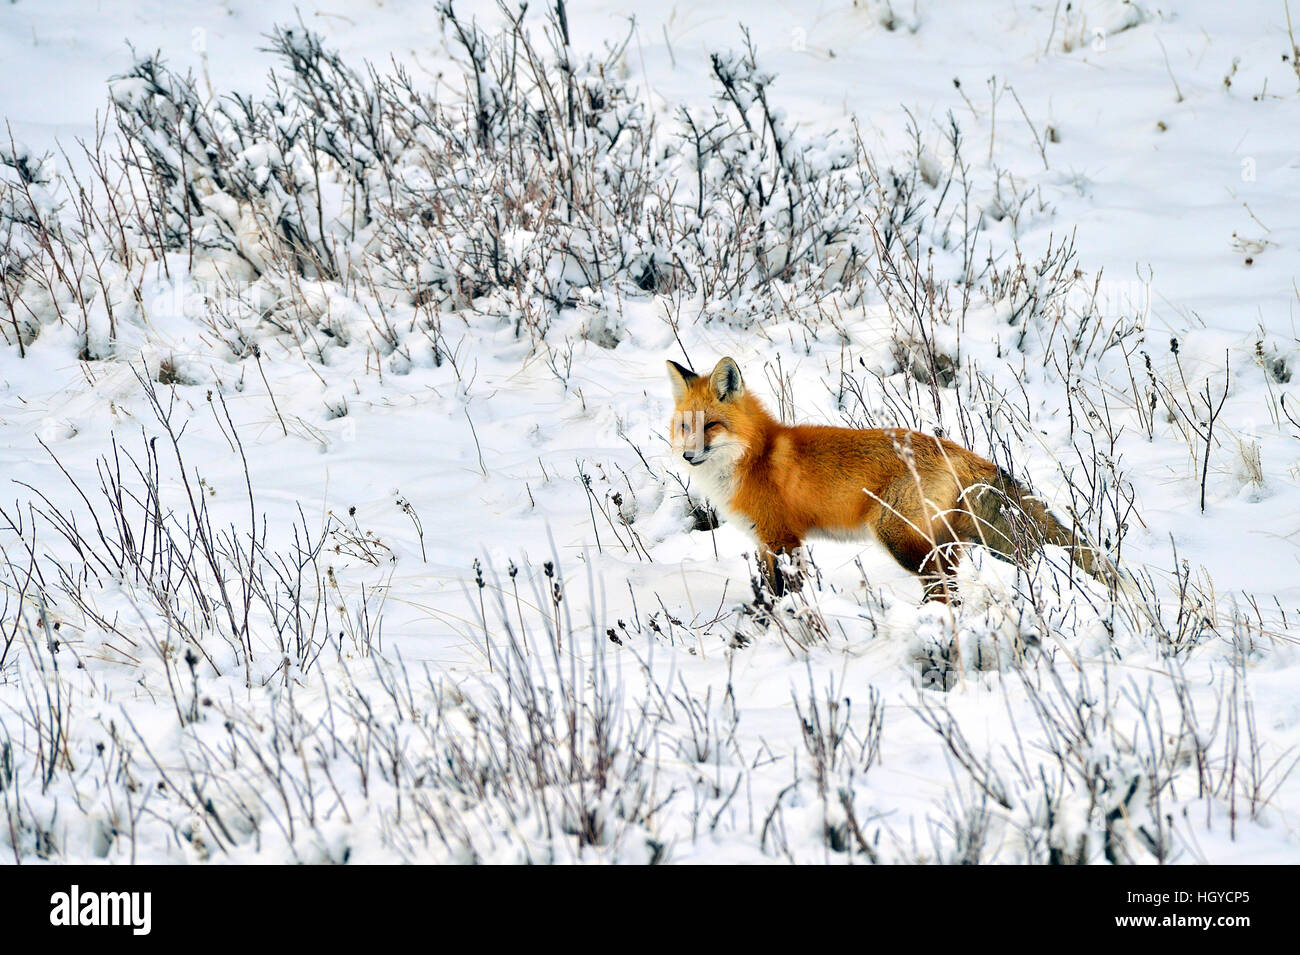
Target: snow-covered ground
354 534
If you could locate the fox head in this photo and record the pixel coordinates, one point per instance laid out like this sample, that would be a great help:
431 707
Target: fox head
713 413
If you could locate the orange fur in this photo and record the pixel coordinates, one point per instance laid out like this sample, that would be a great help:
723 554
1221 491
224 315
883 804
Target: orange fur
923 497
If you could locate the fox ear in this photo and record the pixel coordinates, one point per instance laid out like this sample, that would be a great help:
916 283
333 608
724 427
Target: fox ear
726 381
680 378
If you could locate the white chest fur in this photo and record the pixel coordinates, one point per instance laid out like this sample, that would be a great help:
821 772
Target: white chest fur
717 478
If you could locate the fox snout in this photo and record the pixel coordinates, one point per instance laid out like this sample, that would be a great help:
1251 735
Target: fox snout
688 436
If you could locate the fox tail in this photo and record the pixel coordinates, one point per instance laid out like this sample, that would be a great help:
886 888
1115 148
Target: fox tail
1013 523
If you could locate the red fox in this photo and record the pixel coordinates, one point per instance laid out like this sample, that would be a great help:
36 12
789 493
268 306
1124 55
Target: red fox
924 498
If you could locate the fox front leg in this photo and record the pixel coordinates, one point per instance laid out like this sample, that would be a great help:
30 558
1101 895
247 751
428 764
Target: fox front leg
778 580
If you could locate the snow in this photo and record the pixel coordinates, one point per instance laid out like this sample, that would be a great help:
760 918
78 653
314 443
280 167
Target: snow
434 447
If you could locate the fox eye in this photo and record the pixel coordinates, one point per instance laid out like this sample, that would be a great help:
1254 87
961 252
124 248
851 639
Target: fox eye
712 425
